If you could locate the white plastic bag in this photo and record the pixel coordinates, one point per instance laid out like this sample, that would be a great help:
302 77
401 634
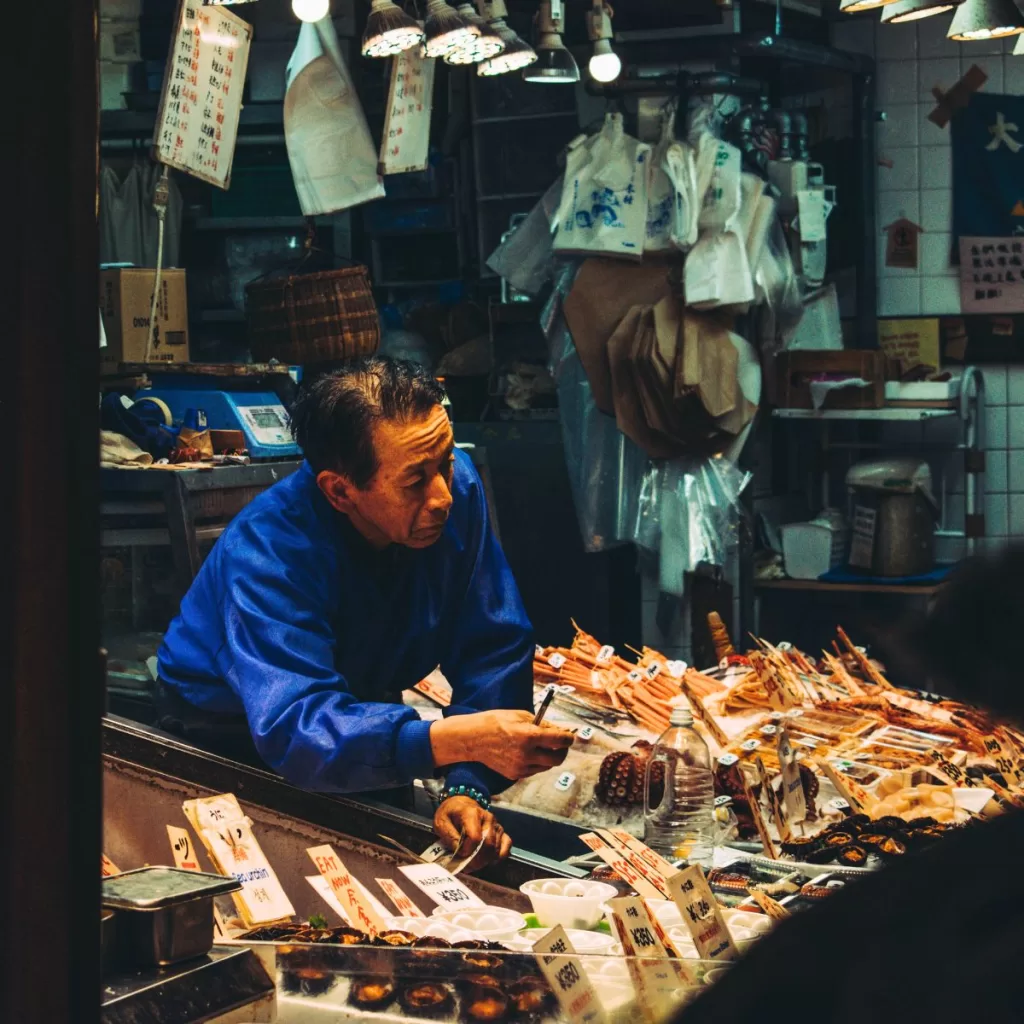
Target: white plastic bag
717 273
604 198
718 183
661 192
681 168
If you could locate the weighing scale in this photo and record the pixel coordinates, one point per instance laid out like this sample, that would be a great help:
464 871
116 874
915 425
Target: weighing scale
259 415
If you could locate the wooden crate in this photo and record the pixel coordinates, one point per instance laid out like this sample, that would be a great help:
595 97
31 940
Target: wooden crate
796 370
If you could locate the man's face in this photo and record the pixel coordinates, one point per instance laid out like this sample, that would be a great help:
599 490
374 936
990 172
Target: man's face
408 500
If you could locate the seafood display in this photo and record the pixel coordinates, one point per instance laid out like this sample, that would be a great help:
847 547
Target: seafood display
862 745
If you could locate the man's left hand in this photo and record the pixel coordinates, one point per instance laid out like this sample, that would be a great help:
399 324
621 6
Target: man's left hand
463 816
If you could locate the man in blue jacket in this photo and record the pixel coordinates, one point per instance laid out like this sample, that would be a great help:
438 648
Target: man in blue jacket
347 583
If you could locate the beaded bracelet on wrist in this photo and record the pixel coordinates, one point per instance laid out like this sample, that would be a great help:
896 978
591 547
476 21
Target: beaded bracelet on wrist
473 794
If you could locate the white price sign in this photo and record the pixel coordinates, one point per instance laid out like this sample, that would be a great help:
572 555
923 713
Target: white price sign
565 974
441 886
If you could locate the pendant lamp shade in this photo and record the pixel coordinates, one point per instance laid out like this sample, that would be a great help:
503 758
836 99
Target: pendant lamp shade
913 10
985 19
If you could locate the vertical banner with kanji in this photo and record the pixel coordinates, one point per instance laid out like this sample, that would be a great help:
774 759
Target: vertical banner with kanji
405 142
197 123
988 166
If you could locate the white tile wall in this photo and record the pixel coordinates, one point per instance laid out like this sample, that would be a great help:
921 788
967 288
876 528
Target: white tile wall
911 60
1004 439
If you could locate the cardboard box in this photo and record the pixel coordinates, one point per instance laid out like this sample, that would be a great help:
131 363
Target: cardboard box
796 369
125 297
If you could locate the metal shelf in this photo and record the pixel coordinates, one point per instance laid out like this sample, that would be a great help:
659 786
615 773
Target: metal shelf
889 415
823 586
241 223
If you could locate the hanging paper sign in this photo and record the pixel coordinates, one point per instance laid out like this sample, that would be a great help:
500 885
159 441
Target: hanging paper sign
405 143
991 275
197 123
901 243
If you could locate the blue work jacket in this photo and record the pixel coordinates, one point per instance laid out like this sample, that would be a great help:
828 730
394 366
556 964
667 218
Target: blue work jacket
295 620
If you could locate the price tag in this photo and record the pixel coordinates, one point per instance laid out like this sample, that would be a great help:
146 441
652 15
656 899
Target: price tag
227 834
108 867
676 669
728 760
955 775
357 909
441 886
761 825
839 804
538 651
705 716
564 782
605 655
556 660
635 676
1003 761
651 865
750 745
773 908
326 893
586 733
564 973
616 860
654 974
654 669
181 849
853 793
702 915
433 852
440 694
403 904
792 784
768 730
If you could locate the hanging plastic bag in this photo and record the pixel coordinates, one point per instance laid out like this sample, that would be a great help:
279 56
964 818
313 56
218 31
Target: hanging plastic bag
604 198
717 273
681 169
718 183
661 192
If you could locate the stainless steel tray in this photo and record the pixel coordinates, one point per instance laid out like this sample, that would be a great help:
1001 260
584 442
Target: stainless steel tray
155 888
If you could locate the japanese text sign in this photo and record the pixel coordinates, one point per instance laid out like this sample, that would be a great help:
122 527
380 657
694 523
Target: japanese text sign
991 275
405 142
441 886
565 974
702 915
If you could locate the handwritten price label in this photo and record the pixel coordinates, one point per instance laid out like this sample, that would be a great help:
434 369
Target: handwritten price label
403 904
564 972
357 910
441 886
108 867
702 915
616 860
792 785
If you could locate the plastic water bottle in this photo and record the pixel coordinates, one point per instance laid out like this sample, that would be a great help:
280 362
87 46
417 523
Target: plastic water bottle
679 821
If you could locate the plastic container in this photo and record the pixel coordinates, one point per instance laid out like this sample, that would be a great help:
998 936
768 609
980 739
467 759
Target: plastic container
583 942
493 923
568 901
679 821
810 549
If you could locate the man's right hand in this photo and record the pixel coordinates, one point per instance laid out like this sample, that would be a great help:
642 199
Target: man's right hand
506 741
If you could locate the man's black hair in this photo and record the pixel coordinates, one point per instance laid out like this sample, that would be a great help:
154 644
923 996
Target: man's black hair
333 416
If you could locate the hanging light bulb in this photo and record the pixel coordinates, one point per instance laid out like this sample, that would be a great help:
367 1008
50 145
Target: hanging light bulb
604 65
445 30
554 64
311 10
485 45
985 19
913 10
389 30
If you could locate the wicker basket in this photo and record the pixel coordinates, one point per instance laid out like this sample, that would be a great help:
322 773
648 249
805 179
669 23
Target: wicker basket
312 318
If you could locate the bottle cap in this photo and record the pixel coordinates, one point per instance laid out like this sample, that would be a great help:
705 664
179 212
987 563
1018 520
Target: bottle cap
681 715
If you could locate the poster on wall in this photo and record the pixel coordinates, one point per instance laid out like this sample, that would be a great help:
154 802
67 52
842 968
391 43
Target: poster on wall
991 275
988 166
197 123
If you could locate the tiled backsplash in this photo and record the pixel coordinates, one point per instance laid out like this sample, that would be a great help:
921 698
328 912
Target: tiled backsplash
912 59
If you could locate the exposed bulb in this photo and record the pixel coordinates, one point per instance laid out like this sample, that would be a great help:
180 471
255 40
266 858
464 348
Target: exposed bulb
311 10
604 67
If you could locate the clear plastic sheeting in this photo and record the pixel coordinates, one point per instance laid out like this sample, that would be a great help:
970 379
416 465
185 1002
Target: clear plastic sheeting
685 509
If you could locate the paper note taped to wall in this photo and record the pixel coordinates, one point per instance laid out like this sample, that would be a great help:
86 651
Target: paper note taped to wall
991 275
912 342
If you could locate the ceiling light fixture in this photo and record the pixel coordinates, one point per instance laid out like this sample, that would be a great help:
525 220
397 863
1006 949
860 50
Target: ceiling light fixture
604 65
985 19
446 30
853 6
914 10
311 10
484 46
517 54
555 65
389 30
